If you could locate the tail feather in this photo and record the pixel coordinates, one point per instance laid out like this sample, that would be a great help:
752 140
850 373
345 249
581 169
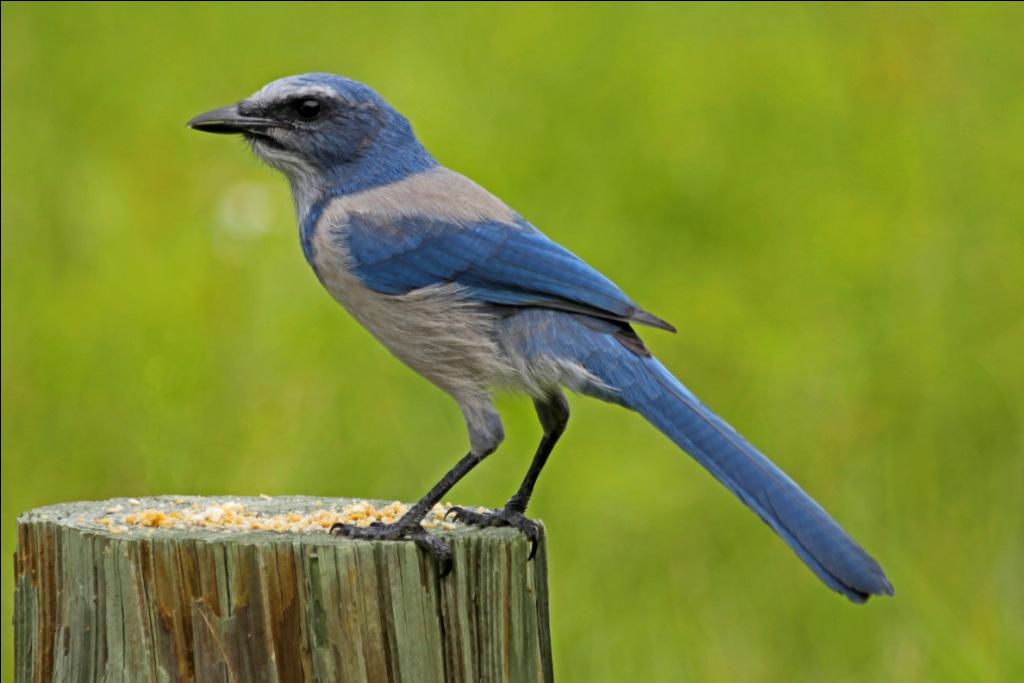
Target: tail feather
619 369
644 385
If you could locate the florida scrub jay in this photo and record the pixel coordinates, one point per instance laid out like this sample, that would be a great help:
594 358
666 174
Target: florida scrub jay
467 293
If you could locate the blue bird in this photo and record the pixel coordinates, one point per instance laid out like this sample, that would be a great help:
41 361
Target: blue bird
467 293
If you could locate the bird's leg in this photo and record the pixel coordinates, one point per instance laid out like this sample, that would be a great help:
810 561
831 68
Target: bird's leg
553 412
485 435
408 527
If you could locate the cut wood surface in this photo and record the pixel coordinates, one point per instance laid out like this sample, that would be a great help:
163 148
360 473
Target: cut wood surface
170 589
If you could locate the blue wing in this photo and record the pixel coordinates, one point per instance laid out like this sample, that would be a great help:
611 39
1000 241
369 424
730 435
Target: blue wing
495 262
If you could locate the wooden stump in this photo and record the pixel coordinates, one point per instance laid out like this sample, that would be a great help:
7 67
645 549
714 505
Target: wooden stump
105 593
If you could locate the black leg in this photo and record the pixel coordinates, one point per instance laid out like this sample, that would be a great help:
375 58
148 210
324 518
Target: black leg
554 416
408 527
553 412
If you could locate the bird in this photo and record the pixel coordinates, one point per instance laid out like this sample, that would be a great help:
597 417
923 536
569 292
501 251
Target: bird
473 297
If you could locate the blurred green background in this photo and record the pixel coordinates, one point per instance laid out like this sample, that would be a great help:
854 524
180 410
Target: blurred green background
825 199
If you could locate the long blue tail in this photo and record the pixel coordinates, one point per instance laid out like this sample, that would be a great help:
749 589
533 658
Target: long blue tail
644 385
819 541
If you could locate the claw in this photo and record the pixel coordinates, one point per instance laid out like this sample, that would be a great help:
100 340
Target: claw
502 517
445 561
532 532
377 531
437 548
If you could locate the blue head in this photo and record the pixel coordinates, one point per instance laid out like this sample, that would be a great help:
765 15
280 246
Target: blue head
328 134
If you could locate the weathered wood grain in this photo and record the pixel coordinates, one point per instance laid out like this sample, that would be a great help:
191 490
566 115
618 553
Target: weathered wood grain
216 605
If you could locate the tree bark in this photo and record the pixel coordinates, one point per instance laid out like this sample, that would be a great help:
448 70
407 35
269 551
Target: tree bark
99 598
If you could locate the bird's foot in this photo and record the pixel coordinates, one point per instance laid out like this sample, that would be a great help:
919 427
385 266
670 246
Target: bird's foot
401 531
502 517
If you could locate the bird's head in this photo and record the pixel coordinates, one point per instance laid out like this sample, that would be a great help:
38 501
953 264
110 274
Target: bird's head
321 129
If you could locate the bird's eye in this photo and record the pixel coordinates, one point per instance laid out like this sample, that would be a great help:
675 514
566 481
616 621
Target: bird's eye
307 109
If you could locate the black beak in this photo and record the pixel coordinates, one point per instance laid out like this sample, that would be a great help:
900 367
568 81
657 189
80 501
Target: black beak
230 120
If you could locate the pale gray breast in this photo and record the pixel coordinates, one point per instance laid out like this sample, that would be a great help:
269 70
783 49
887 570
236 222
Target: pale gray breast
434 330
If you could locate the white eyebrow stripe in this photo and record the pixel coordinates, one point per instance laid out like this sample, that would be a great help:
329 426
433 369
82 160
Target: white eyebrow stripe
280 91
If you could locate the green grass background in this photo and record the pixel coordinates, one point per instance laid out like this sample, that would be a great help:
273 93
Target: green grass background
825 199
